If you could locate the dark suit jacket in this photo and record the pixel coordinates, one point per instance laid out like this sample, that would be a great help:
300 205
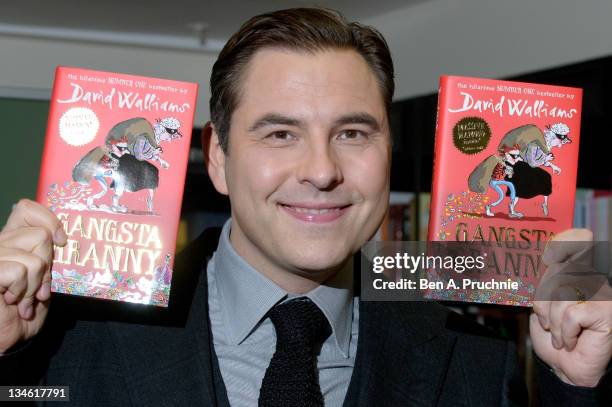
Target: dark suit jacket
408 354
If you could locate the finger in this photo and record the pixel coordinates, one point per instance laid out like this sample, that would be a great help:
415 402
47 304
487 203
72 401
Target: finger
44 292
29 213
26 307
548 283
13 280
568 281
36 240
541 340
574 244
542 310
35 266
571 324
557 310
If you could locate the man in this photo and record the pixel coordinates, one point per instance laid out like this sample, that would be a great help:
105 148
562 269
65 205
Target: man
300 142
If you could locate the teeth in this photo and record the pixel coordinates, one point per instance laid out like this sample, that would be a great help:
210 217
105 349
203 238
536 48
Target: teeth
313 211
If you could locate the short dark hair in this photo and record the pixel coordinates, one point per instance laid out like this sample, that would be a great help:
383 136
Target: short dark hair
300 29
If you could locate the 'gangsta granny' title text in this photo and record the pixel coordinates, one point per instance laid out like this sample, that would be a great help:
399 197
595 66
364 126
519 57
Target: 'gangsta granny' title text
102 243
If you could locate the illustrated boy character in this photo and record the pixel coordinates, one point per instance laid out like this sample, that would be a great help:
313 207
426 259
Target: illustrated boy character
110 161
502 172
495 172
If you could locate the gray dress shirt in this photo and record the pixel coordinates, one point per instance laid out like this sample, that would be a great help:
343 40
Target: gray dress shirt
245 339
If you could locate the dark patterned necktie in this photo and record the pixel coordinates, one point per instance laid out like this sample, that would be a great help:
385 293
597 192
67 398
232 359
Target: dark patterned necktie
291 379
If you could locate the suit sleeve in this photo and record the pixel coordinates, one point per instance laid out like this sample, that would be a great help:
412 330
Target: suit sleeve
20 366
552 391
555 393
26 363
514 391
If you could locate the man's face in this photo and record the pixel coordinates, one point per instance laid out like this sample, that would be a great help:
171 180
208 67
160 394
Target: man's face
308 163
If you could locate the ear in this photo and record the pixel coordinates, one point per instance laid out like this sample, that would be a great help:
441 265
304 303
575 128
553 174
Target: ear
214 158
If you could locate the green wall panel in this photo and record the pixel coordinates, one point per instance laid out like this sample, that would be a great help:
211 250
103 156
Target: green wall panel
22 138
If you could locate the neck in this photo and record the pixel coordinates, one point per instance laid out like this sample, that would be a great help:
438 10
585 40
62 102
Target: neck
292 280
295 283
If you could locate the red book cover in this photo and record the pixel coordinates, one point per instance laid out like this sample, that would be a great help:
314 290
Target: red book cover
505 165
113 171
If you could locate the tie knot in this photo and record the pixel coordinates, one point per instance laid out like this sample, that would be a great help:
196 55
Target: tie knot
299 322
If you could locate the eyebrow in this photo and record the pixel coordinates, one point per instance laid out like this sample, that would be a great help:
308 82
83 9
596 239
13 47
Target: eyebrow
275 119
279 119
358 118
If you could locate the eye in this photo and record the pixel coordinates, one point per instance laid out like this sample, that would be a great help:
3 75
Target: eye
280 136
352 135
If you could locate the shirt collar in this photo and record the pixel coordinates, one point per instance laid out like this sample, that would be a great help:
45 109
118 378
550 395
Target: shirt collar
247 295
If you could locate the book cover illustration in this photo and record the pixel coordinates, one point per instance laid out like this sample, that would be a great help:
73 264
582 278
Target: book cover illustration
505 176
113 171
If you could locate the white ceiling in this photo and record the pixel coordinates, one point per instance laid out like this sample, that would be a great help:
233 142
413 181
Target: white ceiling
161 20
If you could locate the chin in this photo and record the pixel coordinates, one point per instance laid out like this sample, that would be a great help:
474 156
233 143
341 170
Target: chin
311 261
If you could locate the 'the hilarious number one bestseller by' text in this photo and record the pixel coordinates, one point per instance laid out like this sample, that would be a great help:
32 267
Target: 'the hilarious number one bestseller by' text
505 166
113 171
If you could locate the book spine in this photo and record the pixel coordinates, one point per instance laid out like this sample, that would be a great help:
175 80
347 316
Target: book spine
571 199
441 127
49 139
180 183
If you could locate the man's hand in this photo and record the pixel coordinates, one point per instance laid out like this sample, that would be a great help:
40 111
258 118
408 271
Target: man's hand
573 337
26 255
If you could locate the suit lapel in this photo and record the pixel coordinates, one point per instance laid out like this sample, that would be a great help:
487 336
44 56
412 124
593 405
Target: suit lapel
402 355
170 359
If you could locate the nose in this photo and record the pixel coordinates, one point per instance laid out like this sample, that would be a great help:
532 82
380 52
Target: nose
319 166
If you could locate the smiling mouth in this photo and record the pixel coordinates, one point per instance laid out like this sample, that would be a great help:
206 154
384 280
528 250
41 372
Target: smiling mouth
315 213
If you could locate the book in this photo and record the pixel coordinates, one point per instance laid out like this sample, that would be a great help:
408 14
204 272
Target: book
113 171
504 177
